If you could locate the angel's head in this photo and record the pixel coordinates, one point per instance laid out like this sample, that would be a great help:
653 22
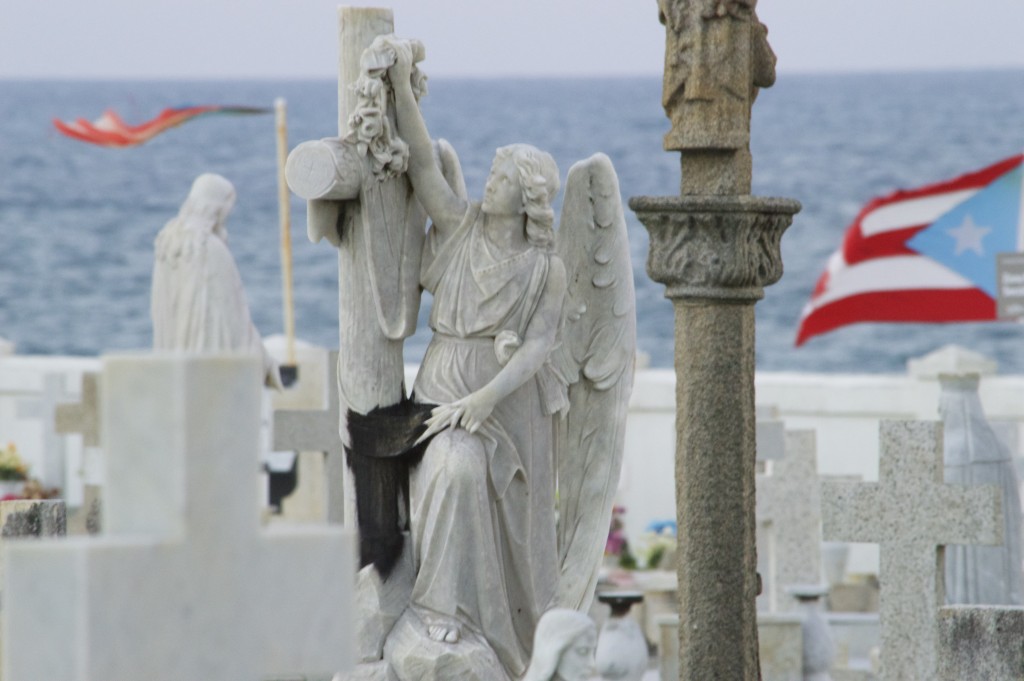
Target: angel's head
524 181
563 647
209 201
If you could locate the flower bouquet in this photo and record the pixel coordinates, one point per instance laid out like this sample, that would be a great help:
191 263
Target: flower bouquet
13 473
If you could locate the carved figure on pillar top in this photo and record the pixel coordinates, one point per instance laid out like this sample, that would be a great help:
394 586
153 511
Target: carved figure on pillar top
716 57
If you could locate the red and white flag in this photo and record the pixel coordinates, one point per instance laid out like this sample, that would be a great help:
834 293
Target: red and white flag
109 130
922 255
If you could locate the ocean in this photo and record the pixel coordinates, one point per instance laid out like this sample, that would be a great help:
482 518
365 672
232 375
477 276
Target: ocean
77 222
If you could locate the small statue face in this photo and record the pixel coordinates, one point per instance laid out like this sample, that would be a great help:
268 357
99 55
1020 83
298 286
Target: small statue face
577 662
502 194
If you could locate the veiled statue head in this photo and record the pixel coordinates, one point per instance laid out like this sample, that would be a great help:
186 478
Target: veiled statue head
209 201
534 183
563 647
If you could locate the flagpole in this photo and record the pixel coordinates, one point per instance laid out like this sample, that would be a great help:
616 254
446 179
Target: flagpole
284 214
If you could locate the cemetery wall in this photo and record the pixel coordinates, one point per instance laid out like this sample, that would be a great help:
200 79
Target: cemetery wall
842 409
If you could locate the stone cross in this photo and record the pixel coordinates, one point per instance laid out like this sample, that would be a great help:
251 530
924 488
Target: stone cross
310 430
83 416
789 522
715 248
183 584
911 514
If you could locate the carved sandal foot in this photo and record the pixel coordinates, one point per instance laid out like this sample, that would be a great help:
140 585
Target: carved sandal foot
443 633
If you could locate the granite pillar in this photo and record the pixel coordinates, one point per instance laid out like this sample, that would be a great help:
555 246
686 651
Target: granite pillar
715 247
715 254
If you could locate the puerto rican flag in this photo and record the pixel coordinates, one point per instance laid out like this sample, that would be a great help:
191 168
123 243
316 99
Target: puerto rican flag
923 255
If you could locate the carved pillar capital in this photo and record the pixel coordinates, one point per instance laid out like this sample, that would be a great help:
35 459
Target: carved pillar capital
715 247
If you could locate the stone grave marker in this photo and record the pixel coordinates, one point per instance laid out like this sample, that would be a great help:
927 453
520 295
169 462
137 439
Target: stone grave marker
184 583
912 515
81 417
316 430
789 523
29 518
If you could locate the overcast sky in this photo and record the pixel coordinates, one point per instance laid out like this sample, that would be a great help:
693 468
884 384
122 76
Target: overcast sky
297 38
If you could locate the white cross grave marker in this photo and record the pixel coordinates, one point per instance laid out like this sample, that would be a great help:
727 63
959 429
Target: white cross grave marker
183 584
83 416
789 522
911 515
305 430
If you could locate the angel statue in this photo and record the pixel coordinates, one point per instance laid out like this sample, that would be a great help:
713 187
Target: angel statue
533 335
197 302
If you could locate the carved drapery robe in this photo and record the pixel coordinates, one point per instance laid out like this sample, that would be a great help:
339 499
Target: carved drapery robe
484 527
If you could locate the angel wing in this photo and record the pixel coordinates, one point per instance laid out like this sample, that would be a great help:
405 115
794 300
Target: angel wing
596 358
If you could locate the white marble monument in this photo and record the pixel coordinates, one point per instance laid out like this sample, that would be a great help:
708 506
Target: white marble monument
197 302
487 557
183 584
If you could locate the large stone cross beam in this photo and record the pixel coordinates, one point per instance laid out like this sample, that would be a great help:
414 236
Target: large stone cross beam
911 514
184 583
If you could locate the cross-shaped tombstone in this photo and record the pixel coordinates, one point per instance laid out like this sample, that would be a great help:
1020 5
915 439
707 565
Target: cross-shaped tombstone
316 430
43 407
83 416
184 584
911 514
789 522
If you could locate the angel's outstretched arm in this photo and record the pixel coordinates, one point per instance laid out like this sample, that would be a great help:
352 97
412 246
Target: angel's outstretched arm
442 204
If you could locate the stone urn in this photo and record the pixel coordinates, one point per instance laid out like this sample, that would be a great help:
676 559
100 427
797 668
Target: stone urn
819 648
621 647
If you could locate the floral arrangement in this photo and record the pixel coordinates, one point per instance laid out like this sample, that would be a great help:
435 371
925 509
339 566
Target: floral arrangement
658 545
654 550
616 548
11 465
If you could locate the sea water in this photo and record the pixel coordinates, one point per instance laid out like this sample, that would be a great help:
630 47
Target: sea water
77 222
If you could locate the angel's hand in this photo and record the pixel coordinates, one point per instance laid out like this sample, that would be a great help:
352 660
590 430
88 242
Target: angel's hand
401 70
470 412
476 408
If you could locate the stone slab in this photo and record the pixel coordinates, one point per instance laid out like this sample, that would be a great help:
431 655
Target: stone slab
981 643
